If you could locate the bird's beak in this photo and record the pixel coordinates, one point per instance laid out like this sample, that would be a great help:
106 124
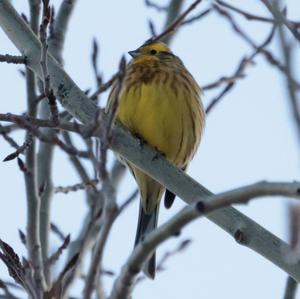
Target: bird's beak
134 53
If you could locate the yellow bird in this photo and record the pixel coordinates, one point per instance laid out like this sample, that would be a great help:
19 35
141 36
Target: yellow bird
160 102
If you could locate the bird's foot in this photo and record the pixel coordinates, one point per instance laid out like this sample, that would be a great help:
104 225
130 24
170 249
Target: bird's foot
158 154
141 140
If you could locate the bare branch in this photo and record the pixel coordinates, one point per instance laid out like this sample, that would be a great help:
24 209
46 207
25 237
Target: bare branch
58 29
161 264
123 285
176 23
198 17
251 17
55 229
25 170
27 122
172 13
22 237
108 218
55 256
95 53
48 92
103 87
110 206
287 52
239 73
106 131
21 149
58 286
7 292
4 132
290 288
13 59
76 187
128 201
158 7
281 19
261 49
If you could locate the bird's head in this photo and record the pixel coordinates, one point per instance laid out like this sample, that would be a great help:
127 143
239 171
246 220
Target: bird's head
151 51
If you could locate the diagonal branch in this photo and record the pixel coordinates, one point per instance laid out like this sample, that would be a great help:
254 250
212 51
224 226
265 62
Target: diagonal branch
124 283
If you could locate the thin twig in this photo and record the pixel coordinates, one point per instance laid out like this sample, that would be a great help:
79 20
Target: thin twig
128 201
48 91
13 59
95 54
110 207
21 149
22 237
7 293
262 49
55 229
106 133
4 133
55 256
158 7
161 263
198 17
176 23
250 16
239 73
105 86
26 172
173 11
30 125
26 122
287 52
76 187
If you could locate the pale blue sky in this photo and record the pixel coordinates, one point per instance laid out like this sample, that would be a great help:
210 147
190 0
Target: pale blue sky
248 137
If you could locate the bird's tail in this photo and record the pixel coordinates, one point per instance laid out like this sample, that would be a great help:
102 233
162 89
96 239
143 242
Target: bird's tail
146 224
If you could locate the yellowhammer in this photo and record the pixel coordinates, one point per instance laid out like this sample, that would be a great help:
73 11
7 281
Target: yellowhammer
160 102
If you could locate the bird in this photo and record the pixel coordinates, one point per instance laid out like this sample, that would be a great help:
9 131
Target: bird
159 102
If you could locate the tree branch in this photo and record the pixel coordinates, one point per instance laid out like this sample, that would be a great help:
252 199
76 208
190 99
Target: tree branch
290 288
174 22
46 151
280 18
13 59
249 16
124 283
30 175
288 72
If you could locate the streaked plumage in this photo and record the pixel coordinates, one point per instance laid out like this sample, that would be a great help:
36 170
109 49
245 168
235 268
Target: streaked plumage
160 102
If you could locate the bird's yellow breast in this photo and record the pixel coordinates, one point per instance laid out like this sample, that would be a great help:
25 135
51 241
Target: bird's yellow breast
166 114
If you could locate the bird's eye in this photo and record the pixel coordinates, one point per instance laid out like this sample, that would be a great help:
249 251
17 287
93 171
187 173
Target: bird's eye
153 52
